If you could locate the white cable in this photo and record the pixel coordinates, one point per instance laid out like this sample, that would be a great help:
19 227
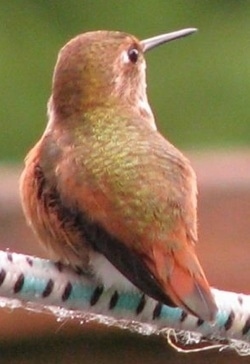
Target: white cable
40 283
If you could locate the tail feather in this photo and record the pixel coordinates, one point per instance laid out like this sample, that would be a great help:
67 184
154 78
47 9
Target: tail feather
183 280
192 293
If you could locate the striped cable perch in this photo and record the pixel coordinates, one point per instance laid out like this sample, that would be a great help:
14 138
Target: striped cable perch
32 282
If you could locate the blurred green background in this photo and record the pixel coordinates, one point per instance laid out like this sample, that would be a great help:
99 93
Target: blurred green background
198 87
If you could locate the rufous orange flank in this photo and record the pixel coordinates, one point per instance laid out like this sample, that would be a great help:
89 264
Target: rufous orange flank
103 190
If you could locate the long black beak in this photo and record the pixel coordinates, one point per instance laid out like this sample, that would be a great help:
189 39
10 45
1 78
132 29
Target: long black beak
150 43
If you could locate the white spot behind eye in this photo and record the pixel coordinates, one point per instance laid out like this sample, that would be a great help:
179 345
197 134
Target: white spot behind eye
124 57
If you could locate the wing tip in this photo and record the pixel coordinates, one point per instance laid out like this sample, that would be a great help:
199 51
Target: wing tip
202 301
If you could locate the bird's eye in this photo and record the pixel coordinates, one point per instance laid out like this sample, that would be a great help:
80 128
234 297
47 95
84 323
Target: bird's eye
133 55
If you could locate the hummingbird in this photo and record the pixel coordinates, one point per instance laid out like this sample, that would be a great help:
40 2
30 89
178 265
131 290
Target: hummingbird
102 189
